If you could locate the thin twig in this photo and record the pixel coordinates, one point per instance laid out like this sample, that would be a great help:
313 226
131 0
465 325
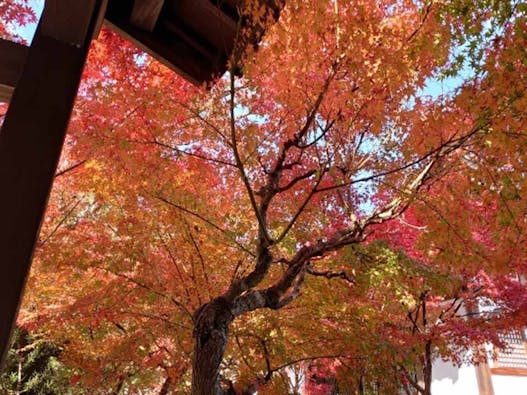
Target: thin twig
207 221
59 224
70 168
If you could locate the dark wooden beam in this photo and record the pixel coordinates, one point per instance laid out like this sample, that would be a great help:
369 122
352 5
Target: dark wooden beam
235 6
206 21
12 59
145 13
100 20
69 22
171 50
232 4
206 50
31 140
193 37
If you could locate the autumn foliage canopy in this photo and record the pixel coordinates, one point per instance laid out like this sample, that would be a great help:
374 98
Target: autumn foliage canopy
347 210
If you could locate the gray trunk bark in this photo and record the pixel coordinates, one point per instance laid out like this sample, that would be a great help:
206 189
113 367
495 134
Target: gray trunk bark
427 371
211 330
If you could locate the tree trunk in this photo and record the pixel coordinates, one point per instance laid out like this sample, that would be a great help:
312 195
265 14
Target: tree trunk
427 370
166 387
211 328
119 387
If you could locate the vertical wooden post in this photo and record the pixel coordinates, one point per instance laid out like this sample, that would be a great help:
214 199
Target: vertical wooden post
484 379
483 373
31 140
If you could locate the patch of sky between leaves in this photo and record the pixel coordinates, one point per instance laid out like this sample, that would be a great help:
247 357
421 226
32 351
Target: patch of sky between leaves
439 85
435 88
28 31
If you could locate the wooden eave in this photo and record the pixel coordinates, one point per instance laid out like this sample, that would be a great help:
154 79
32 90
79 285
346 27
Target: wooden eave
12 59
192 37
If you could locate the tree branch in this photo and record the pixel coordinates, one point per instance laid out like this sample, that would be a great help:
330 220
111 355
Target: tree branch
148 288
70 168
185 152
302 207
330 275
296 180
207 221
439 152
410 379
59 224
262 226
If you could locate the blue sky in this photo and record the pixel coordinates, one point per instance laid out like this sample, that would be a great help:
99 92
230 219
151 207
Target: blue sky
28 31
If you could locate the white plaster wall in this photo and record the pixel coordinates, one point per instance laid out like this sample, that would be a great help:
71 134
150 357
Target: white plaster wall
448 379
509 385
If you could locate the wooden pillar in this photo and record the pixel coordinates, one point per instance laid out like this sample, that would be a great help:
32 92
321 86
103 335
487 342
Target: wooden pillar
483 373
32 136
484 379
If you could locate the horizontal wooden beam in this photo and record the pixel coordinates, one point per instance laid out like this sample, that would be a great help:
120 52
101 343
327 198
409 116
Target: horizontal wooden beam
209 52
237 5
12 59
206 21
506 371
145 13
193 37
173 52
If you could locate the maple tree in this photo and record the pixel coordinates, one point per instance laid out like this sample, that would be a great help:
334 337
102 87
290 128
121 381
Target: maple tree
411 317
212 241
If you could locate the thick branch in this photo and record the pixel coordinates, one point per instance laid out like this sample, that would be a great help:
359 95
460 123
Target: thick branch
410 379
296 180
437 153
267 192
330 275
